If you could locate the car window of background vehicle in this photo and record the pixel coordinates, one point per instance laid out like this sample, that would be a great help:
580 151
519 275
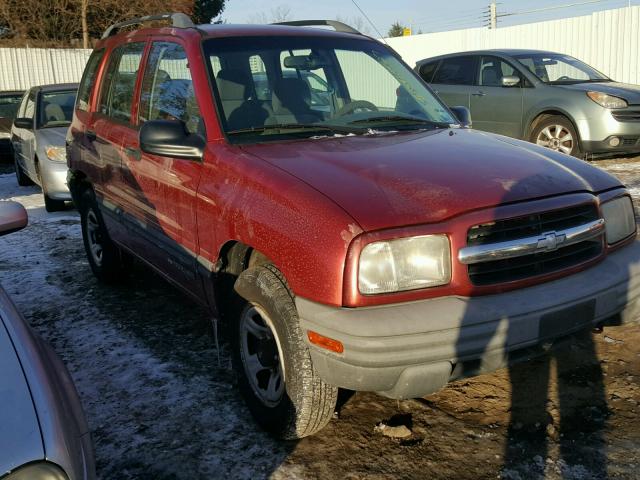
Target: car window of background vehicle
456 71
56 109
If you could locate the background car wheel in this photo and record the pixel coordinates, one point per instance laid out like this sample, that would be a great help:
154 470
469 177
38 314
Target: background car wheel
106 260
23 179
272 361
51 205
557 133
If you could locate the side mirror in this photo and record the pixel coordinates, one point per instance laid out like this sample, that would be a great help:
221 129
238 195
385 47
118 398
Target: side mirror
463 115
170 138
510 81
13 217
23 123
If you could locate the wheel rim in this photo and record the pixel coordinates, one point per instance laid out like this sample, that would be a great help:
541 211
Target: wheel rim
556 137
261 357
94 237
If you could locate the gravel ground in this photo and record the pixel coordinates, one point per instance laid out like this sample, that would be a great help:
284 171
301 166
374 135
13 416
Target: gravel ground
161 402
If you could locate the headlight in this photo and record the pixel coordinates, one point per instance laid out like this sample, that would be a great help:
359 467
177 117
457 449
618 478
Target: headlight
38 471
607 101
57 154
404 264
619 219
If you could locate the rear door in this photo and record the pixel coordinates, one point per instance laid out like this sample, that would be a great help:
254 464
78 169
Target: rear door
454 80
110 129
494 107
168 185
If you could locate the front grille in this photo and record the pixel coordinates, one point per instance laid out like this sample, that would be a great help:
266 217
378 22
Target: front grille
631 115
519 268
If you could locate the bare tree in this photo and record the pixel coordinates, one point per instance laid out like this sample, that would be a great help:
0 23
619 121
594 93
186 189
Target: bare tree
281 13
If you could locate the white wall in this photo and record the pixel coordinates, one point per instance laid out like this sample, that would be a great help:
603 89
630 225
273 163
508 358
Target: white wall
21 68
608 40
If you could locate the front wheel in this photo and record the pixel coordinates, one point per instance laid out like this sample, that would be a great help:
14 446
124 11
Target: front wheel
105 258
557 133
272 361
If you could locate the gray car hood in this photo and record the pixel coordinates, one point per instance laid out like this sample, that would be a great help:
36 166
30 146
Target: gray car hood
52 136
20 439
631 93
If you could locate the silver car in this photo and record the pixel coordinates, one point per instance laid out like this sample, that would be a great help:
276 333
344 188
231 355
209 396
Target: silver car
38 138
43 431
547 98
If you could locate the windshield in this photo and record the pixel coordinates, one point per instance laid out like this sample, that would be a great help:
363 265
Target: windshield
268 87
9 105
56 108
556 69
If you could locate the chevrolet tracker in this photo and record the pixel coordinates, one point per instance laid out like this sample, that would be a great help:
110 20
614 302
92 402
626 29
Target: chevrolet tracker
309 188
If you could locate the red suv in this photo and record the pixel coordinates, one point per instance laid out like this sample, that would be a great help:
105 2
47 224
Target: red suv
369 241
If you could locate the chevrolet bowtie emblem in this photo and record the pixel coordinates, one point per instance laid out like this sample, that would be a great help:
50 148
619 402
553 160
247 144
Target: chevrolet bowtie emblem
551 241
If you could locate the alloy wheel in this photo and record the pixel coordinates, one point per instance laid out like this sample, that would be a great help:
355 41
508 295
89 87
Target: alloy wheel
556 137
261 357
94 237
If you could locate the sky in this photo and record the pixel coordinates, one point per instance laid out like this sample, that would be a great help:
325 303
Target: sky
422 15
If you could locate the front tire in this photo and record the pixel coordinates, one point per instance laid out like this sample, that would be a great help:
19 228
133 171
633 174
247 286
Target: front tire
272 361
23 179
105 258
557 133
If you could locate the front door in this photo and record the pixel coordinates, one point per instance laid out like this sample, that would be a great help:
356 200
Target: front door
454 80
168 185
494 107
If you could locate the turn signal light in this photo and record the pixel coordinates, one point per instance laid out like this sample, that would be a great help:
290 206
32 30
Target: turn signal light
325 342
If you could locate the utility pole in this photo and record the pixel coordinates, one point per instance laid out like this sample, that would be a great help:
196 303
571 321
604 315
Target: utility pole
493 15
85 28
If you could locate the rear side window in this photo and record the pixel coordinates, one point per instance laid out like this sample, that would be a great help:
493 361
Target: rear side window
427 70
167 88
119 85
456 71
88 80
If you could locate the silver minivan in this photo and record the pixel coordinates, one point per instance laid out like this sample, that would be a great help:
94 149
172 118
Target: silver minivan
551 99
38 137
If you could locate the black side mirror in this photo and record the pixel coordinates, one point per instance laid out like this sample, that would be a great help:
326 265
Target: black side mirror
463 115
170 138
13 217
23 123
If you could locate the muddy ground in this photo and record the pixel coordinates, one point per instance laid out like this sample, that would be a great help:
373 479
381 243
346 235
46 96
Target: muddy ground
162 405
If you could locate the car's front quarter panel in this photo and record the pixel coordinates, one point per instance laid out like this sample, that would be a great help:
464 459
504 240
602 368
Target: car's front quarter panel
243 198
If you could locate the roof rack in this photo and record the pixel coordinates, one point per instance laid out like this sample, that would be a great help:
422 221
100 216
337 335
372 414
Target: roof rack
338 26
178 20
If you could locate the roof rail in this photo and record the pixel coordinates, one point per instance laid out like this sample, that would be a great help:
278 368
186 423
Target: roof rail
338 26
178 20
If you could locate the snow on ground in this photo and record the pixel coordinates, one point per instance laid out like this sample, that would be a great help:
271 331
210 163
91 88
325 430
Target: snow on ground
161 406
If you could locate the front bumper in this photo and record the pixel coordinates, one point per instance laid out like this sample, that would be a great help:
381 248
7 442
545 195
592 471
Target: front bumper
597 130
54 180
413 349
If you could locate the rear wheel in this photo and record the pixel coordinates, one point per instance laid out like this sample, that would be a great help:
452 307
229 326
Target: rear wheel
272 361
557 133
23 179
106 260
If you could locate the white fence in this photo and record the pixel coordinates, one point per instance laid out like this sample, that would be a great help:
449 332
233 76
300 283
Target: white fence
21 68
608 40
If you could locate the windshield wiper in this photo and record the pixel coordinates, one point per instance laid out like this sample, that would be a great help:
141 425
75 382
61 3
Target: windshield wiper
335 129
403 119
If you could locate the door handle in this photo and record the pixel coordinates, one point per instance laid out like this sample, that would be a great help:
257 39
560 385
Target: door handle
91 135
134 153
479 94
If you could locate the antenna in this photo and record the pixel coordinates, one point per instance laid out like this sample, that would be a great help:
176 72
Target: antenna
369 20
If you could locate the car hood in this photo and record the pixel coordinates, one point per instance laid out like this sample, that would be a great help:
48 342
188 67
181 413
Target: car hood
401 179
52 136
631 93
20 439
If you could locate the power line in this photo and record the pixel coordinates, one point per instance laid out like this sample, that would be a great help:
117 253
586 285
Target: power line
369 20
555 7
